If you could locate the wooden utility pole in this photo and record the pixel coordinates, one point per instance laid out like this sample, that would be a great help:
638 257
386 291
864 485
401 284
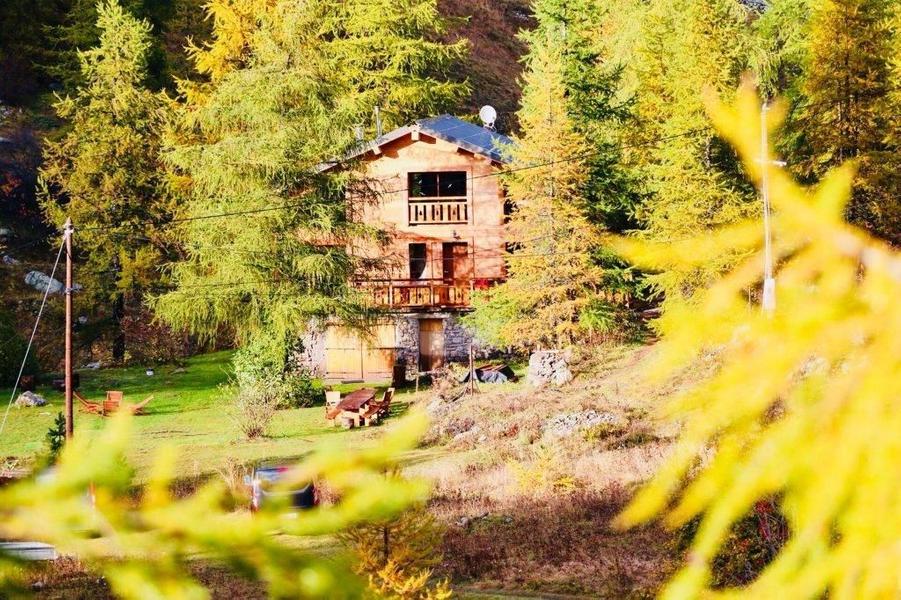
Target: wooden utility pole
70 421
472 373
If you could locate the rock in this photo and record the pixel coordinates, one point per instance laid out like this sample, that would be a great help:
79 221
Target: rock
41 281
566 424
9 260
28 399
549 367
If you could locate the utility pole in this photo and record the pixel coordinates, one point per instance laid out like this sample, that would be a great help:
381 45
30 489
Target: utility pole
768 301
472 373
70 421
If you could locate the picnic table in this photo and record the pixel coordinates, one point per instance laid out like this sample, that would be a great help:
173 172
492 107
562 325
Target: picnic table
352 406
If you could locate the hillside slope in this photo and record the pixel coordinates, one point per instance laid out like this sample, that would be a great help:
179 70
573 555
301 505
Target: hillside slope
493 67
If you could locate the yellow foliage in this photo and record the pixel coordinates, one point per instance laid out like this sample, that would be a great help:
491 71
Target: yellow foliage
143 547
398 555
545 471
804 406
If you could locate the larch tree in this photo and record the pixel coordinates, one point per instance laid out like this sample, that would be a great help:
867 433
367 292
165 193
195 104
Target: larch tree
600 112
552 280
105 173
849 109
692 178
285 90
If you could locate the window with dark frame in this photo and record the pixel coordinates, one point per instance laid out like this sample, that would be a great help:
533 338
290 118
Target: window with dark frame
417 260
438 184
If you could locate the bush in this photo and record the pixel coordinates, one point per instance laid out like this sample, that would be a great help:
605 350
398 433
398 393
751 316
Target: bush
254 407
398 556
299 390
264 359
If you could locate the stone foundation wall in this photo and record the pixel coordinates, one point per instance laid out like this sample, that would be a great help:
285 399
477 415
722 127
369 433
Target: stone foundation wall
457 339
311 356
407 336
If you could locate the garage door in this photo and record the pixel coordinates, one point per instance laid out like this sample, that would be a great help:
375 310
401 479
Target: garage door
353 356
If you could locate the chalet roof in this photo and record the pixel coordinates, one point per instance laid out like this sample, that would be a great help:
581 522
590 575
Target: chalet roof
478 140
468 136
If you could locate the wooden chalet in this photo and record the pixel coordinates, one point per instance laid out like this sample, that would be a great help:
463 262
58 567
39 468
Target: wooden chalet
443 208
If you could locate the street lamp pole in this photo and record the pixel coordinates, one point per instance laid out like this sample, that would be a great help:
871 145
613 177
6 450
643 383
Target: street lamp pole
769 282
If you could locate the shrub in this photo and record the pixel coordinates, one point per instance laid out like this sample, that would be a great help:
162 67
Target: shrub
254 407
56 437
300 390
397 556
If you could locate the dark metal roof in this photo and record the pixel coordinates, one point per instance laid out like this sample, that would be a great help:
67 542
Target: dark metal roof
480 140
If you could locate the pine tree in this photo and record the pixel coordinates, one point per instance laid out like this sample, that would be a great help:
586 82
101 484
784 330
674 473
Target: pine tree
285 90
105 173
600 112
692 179
552 279
847 107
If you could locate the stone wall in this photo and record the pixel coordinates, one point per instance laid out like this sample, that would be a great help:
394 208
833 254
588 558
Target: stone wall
407 336
311 355
456 340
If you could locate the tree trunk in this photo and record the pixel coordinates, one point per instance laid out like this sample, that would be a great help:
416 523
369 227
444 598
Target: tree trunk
118 333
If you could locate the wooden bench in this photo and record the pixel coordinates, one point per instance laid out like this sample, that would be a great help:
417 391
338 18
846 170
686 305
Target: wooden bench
113 403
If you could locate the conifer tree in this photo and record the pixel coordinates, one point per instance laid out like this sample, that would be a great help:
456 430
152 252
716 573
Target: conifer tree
552 280
692 179
593 101
286 88
848 110
105 173
600 112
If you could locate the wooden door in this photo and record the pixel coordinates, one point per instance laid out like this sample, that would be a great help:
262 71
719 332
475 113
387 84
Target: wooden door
353 356
343 358
456 263
379 353
431 344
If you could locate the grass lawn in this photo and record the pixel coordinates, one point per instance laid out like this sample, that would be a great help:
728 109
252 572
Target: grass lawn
190 410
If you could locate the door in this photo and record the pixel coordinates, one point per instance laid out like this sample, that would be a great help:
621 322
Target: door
456 264
352 356
431 344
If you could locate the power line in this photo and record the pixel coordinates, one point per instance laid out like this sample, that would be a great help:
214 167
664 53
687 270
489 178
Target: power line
498 173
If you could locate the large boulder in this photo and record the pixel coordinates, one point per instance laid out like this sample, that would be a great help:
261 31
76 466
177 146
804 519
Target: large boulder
28 399
41 281
549 367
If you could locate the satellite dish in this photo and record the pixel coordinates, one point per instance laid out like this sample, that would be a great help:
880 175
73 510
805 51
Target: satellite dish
488 116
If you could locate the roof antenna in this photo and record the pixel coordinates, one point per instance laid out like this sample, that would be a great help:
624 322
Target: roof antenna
488 116
378 121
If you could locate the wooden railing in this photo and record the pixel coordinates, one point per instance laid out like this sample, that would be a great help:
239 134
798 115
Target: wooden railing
429 212
422 293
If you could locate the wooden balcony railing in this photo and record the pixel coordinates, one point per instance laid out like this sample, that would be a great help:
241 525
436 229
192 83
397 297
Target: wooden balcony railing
422 293
430 212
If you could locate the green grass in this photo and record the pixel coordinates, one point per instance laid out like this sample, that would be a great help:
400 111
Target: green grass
190 411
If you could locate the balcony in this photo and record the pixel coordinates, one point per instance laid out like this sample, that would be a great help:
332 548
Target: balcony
422 293
438 212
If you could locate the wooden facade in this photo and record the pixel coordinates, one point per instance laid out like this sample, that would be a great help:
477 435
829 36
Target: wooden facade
438 199
443 209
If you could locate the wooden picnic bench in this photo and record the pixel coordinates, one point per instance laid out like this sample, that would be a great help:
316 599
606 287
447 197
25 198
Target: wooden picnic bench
350 410
114 402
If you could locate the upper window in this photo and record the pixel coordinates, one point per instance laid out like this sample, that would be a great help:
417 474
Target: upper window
444 184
